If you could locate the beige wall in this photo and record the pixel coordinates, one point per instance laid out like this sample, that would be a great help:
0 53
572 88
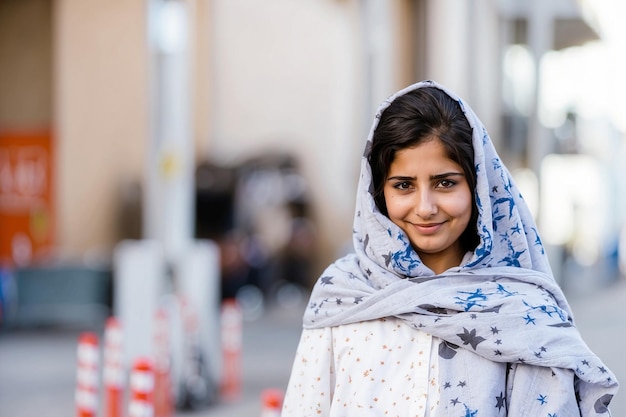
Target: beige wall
290 81
101 115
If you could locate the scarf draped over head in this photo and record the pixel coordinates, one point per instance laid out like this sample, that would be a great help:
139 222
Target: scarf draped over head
502 303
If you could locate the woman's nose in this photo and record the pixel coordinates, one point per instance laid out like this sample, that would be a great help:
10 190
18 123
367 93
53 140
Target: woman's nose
425 206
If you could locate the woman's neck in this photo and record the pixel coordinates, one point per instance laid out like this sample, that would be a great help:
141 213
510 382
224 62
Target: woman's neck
441 262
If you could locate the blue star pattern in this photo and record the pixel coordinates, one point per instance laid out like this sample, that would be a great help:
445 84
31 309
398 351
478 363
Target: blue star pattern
469 412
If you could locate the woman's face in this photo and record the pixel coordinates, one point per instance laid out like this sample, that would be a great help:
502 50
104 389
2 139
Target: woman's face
428 197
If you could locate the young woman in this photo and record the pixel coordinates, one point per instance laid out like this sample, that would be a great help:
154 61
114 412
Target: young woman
448 306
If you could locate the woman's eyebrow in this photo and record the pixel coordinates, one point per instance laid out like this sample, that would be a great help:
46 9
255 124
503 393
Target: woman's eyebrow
432 177
446 175
401 178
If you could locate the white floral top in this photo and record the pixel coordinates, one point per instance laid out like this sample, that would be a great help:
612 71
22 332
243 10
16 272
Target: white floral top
378 368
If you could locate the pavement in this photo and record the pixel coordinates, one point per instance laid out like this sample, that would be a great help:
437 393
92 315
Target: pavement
37 366
600 315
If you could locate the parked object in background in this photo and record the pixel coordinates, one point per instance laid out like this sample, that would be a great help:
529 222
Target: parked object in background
49 295
259 212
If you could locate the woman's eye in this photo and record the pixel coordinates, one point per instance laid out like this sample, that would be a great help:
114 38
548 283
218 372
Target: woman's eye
403 185
446 183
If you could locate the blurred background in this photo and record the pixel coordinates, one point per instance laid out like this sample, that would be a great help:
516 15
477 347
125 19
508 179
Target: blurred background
242 123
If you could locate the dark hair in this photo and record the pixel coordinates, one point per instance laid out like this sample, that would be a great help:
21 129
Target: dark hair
416 117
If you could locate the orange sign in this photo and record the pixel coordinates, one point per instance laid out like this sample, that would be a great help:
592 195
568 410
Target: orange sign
26 197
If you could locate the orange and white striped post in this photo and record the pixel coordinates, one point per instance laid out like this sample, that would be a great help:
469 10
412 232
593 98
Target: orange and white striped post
231 324
162 384
113 373
141 402
272 402
87 375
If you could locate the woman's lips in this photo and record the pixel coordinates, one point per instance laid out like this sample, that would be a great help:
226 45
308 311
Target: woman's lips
427 228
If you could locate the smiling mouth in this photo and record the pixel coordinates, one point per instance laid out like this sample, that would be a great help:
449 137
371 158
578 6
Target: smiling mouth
429 228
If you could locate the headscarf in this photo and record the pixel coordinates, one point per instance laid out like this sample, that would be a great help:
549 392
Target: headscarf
502 304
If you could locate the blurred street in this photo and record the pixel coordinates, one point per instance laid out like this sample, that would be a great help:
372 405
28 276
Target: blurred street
37 368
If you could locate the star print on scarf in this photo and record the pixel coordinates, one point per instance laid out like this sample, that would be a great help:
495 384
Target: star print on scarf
500 314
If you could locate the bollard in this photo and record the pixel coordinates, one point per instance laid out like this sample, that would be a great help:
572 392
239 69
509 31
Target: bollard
87 375
113 373
232 318
162 382
141 402
272 401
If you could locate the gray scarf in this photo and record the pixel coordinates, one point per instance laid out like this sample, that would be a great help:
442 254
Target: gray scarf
502 305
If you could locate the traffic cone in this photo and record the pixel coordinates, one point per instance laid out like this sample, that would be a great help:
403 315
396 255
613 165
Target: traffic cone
162 383
231 323
141 402
272 402
87 375
113 368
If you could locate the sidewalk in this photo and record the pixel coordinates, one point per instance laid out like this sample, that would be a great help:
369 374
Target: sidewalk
600 315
